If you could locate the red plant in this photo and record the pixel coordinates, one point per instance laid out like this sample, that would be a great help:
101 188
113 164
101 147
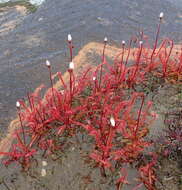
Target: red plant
147 174
122 180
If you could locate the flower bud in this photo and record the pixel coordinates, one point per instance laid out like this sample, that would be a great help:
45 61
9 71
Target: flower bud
161 15
69 38
18 104
123 43
141 43
94 78
48 64
71 65
112 121
105 39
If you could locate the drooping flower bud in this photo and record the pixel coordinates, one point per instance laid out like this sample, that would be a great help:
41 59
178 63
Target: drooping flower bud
112 121
69 38
71 66
48 64
105 39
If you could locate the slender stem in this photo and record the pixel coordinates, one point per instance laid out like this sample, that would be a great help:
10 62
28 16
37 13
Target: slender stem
5 184
137 62
180 62
165 64
103 59
70 45
29 99
122 54
21 123
103 172
50 76
139 114
129 48
155 44
71 85
121 62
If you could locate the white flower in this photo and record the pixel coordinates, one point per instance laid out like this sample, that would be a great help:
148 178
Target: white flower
94 78
44 163
105 39
48 64
141 43
43 172
71 65
112 121
123 42
18 104
69 38
161 15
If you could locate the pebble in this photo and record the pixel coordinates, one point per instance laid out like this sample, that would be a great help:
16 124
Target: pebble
43 172
44 163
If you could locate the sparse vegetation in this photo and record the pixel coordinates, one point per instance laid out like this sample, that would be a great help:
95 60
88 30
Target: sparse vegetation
107 105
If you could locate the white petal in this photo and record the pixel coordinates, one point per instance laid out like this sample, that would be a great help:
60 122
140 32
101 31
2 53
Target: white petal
17 104
161 15
69 38
94 78
48 64
112 121
71 65
141 42
123 42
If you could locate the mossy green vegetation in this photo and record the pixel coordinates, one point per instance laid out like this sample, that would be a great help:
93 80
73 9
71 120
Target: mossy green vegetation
30 7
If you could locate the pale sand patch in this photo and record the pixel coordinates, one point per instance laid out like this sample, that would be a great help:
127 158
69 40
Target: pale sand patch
81 61
12 22
6 142
32 40
21 9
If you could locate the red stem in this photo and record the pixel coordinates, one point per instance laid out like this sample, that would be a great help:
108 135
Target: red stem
21 123
50 76
137 62
165 64
103 59
71 50
71 85
155 44
29 99
139 114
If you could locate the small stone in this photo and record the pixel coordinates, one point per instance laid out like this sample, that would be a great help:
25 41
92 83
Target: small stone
43 172
44 163
40 19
